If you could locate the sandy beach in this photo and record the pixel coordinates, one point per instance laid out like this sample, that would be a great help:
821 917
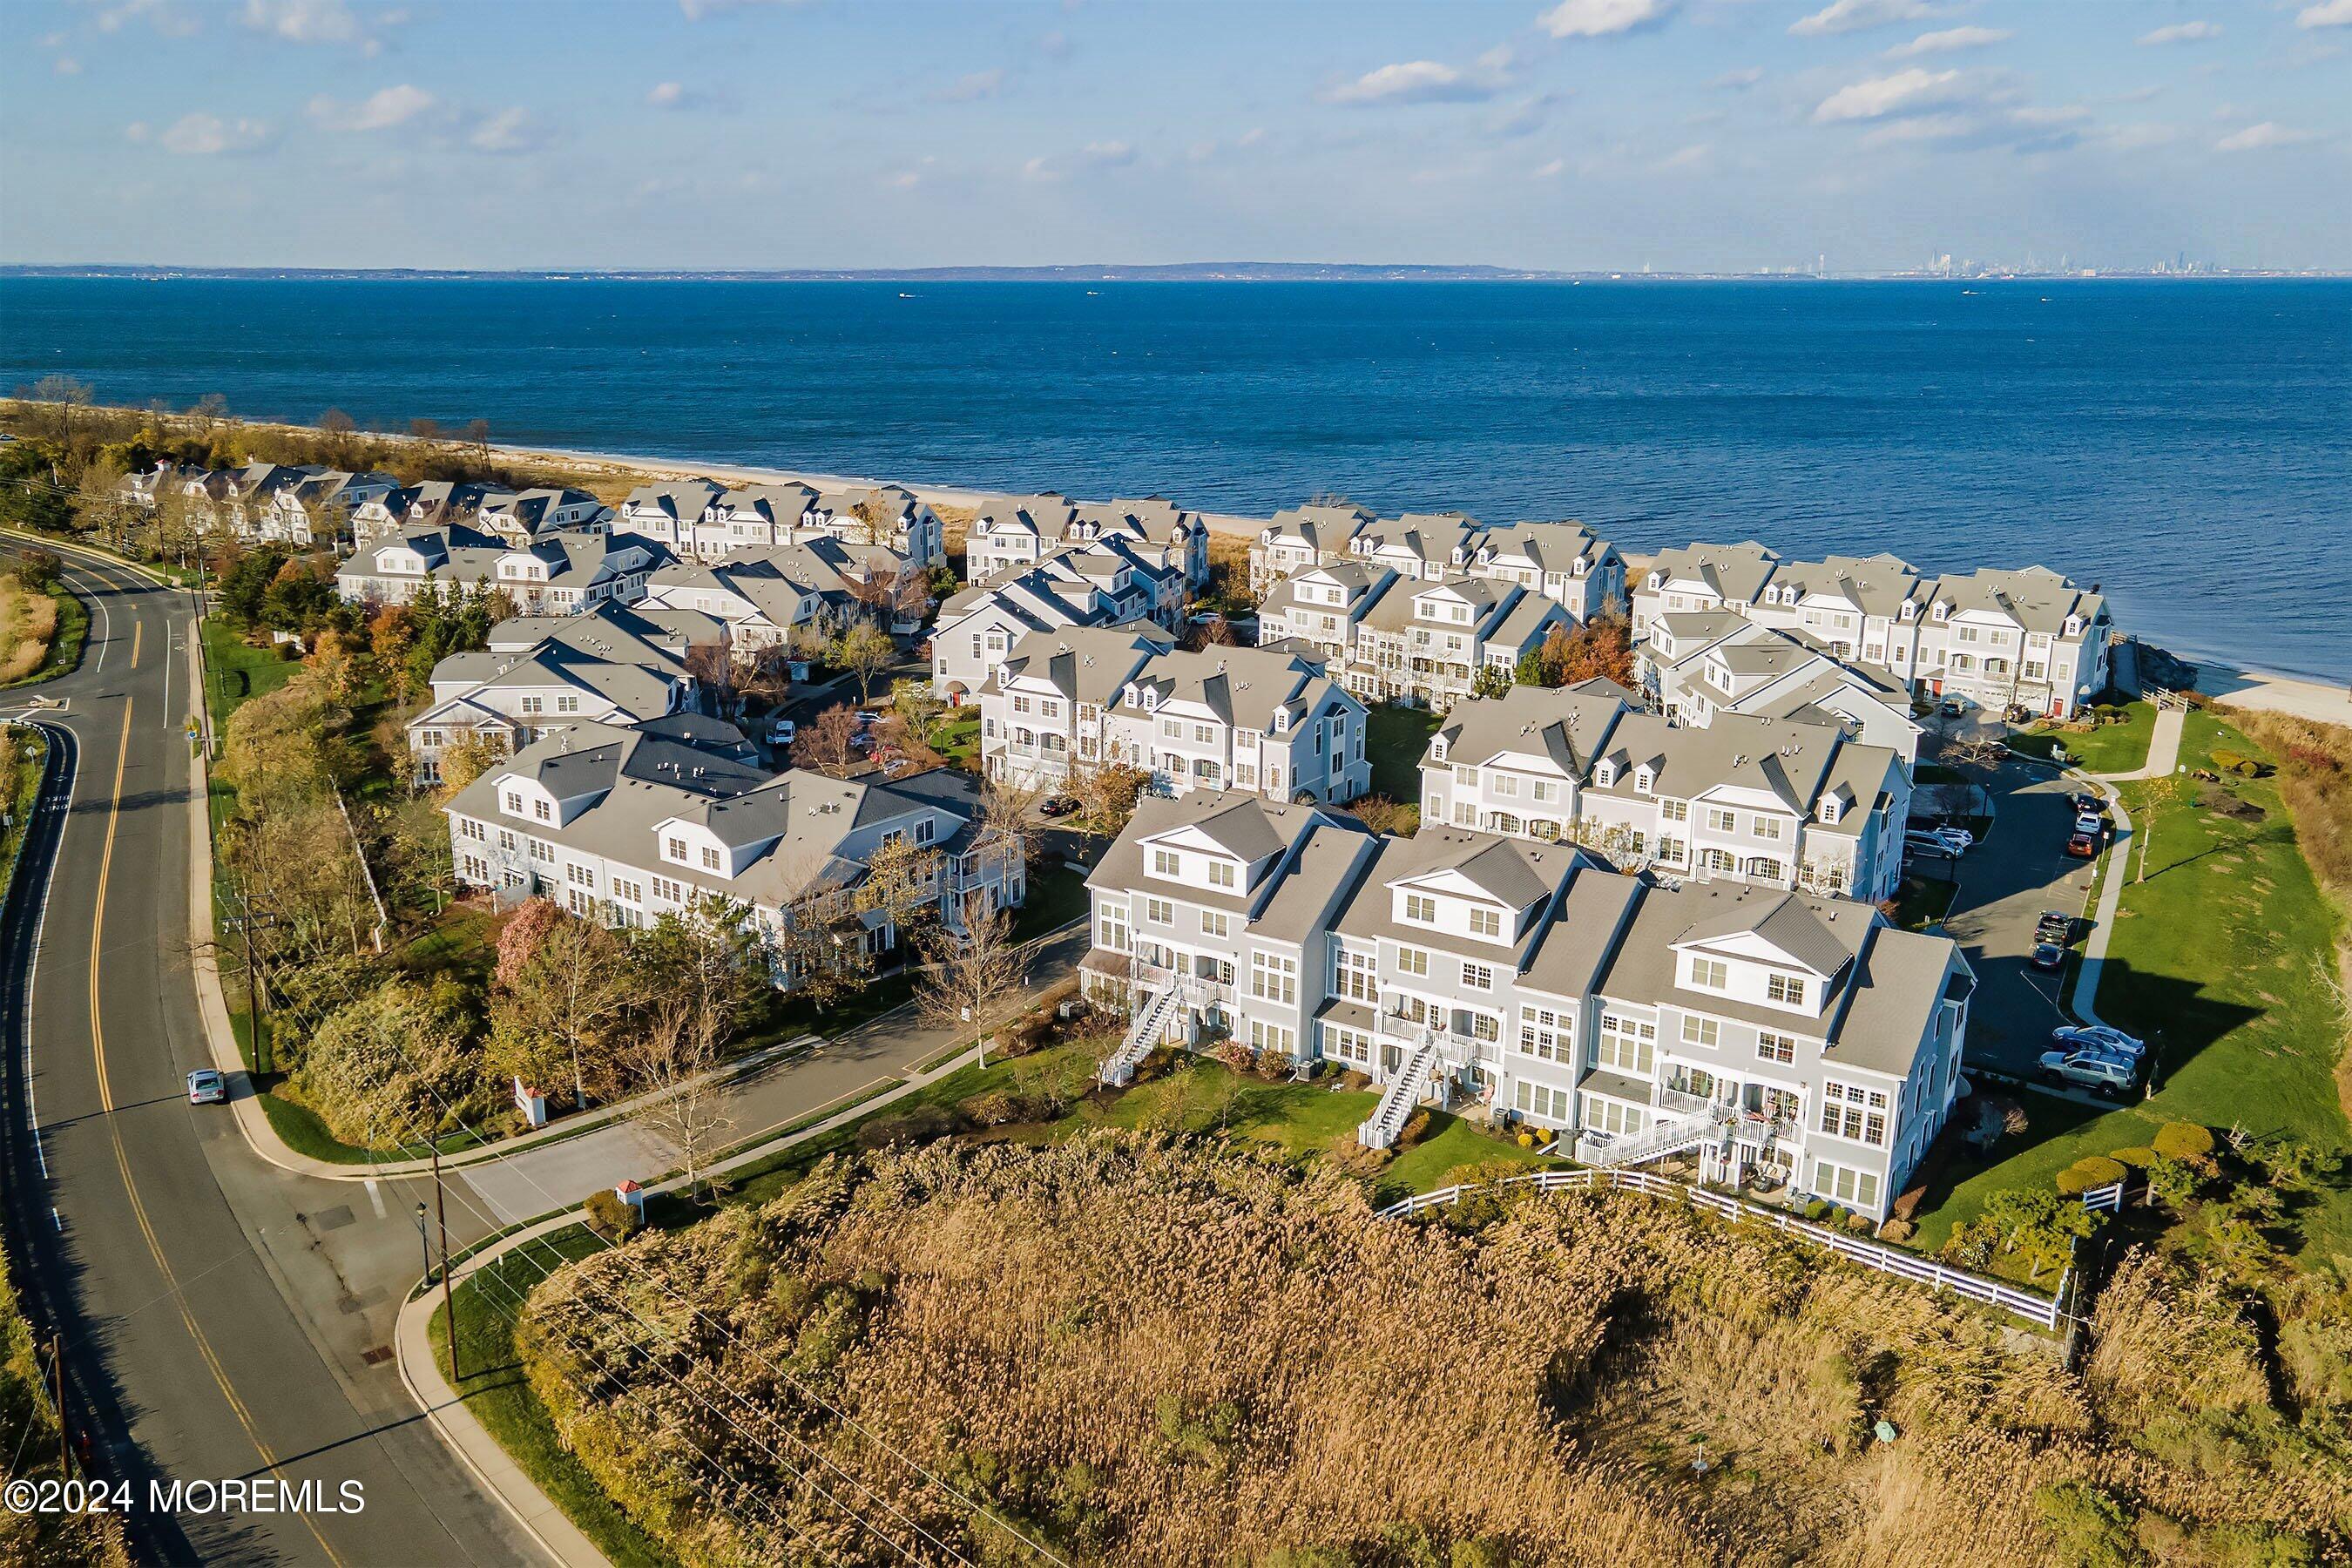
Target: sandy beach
2276 693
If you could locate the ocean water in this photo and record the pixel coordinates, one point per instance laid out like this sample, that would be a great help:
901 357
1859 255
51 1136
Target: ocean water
2187 445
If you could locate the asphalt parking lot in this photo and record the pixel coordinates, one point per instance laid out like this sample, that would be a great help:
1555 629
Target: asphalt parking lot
2020 869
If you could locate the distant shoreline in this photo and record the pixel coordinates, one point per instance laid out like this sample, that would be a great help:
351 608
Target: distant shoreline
1202 272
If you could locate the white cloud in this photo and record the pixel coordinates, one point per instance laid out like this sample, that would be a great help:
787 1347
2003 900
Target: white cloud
695 10
1551 171
312 22
2141 134
1414 81
508 130
1251 137
162 14
1853 15
2056 115
1884 95
1688 157
908 179
1924 128
2182 33
67 66
1038 171
379 111
2268 133
1111 154
202 135
137 131
666 95
1950 39
2326 14
971 86
1739 80
1602 18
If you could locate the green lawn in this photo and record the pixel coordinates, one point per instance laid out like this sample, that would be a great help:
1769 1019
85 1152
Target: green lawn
2217 960
2109 749
488 1302
956 736
236 671
1055 899
1925 898
1396 739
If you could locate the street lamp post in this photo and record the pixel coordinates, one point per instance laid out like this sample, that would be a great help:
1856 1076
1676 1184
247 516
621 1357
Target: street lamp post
424 1241
448 1304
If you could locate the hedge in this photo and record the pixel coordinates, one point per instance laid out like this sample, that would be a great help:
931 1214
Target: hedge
2183 1141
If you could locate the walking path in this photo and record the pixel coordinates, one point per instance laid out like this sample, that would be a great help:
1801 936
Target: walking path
2163 756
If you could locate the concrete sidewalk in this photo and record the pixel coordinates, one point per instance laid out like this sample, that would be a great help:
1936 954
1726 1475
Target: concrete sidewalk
2163 756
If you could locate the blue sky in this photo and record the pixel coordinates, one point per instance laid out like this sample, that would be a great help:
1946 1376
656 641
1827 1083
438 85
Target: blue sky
1724 134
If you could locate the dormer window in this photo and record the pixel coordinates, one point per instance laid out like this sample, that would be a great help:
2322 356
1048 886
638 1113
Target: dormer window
1437 749
1910 611
1642 780
1653 582
2073 625
1943 611
1281 719
675 850
1832 808
513 803
1604 773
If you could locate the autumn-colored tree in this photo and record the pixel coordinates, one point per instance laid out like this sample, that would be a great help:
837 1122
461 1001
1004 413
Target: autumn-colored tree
825 744
524 934
466 758
1106 793
865 651
556 1004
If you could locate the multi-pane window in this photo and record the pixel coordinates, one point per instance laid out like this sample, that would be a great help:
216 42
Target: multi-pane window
541 850
674 849
1021 705
1412 961
1111 930
1627 1044
1772 1047
1420 907
1722 821
1204 733
1612 1117
1274 977
1847 1184
1786 988
1215 924
1673 811
665 889
514 802
1164 863
1160 911
1221 873
1542 1103
1171 728
1505 784
1768 828
1268 1036
543 811
628 891
709 858
1710 974
1479 976
1851 1112
580 876
1545 791
1347 1044
1546 1034
1697 1031
1468 775
1486 922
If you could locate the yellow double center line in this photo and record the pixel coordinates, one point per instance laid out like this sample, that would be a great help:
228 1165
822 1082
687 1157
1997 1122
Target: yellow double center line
106 1104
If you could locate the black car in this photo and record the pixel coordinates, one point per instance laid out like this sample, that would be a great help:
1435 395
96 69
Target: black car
2055 927
1058 805
2047 955
2087 804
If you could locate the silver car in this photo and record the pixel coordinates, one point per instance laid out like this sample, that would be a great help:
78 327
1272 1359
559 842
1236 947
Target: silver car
207 1086
2102 1074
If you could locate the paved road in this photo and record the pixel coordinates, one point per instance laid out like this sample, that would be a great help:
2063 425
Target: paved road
218 1312
2006 882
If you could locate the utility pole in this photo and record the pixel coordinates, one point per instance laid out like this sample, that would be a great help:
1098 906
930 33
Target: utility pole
448 1303
65 1436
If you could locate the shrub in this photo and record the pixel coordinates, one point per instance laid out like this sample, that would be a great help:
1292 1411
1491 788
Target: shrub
610 1218
994 1109
920 1125
2183 1141
2091 1170
1817 1208
1897 1231
1416 1127
1860 1224
2137 1157
2092 1528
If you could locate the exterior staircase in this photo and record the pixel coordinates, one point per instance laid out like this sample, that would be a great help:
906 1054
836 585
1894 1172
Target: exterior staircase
1655 1142
1151 1027
1380 1130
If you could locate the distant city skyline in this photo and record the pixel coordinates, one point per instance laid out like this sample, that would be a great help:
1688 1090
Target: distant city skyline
1725 136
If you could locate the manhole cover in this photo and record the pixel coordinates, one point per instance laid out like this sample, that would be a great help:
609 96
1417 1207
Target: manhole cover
376 1355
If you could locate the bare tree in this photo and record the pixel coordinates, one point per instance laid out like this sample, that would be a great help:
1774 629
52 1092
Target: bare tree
825 742
1008 820
2156 796
673 1058
712 669
868 650
973 969
69 395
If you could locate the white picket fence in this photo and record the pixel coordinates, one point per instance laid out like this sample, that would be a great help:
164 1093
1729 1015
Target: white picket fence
2040 1311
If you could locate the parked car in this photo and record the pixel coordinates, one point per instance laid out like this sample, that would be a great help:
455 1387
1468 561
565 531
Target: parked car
2082 802
2047 955
1954 707
868 717
207 1086
2055 925
2084 847
2091 823
782 731
1945 844
1058 805
2103 1037
2100 1075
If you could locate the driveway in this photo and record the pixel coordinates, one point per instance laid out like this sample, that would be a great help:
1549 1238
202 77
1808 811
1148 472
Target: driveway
2006 882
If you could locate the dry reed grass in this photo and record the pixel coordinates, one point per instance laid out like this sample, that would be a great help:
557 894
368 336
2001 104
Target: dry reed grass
1149 1354
28 623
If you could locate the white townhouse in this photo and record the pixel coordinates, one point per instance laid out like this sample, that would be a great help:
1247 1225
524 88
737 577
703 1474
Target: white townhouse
1301 537
1426 643
2027 640
1135 585
881 514
1566 561
509 700
623 826
1015 531
1211 918
436 503
1223 718
1042 714
1776 802
524 517
317 508
1243 718
1321 607
1153 528
1699 663
763 593
1029 530
558 573
671 512
977 627
1428 545
1800 1047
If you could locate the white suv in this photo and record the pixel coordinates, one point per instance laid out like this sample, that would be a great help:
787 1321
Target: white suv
2100 1075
